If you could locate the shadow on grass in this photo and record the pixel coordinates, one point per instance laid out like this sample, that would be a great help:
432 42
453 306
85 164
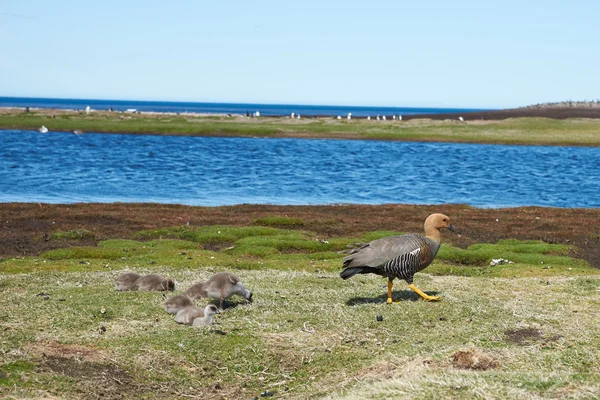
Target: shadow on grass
228 304
403 295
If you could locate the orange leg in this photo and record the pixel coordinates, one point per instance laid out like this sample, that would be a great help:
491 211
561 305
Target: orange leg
425 297
390 285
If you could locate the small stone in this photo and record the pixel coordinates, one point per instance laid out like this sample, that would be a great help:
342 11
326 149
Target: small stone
379 318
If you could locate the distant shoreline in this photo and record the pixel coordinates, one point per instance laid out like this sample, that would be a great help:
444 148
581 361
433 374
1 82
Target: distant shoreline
242 109
552 111
546 126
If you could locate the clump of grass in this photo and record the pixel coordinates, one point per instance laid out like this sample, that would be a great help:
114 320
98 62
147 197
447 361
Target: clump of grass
208 234
162 233
11 372
252 250
292 241
523 246
76 234
519 252
279 221
460 256
160 244
82 253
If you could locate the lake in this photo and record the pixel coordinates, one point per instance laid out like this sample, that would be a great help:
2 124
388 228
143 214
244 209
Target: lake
210 171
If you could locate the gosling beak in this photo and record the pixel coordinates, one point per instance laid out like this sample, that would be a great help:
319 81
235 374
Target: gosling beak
218 312
451 227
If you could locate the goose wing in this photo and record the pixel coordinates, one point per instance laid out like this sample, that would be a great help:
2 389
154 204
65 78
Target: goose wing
377 253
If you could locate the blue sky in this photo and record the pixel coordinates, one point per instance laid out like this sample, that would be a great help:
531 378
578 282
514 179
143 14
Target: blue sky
488 54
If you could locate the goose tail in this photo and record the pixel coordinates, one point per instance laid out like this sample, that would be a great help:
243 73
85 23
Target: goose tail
350 272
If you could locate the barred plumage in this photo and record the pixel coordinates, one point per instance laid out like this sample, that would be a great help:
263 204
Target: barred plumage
395 256
398 256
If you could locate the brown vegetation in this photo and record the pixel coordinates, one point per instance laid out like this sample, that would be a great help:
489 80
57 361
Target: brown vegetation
25 228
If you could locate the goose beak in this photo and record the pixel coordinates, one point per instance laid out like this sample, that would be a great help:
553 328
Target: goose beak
451 227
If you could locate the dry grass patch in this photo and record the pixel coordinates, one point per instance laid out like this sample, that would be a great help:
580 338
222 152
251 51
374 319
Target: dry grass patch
473 359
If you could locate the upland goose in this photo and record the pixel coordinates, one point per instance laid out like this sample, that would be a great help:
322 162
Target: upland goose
399 256
126 281
192 315
175 303
43 129
220 287
209 316
154 282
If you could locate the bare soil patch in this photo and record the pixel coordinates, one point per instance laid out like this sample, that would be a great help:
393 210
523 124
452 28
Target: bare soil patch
78 352
522 336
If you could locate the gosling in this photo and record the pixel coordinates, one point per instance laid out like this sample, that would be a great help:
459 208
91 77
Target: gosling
155 282
127 281
192 315
175 303
220 287
209 316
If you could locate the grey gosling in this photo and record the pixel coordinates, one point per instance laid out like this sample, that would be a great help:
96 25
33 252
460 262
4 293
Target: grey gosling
220 287
209 316
154 282
192 315
126 281
399 256
175 303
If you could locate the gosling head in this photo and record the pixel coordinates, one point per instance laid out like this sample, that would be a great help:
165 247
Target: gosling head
248 295
211 309
170 285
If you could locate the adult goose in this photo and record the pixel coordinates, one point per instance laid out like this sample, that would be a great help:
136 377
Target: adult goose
399 256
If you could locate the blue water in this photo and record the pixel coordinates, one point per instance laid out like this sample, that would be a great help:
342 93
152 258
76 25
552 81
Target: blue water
221 108
209 171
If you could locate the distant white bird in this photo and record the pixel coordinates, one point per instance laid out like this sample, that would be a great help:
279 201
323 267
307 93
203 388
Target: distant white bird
461 119
78 132
349 115
377 117
368 118
399 117
293 114
43 129
383 117
339 117
257 114
394 117
88 109
298 116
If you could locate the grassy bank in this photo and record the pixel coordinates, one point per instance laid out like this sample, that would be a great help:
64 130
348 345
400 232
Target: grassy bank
532 131
522 329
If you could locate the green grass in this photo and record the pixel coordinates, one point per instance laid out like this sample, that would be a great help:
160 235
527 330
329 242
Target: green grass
72 235
513 131
308 334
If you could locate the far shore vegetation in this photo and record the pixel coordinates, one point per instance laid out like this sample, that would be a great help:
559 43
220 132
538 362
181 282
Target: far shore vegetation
522 131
